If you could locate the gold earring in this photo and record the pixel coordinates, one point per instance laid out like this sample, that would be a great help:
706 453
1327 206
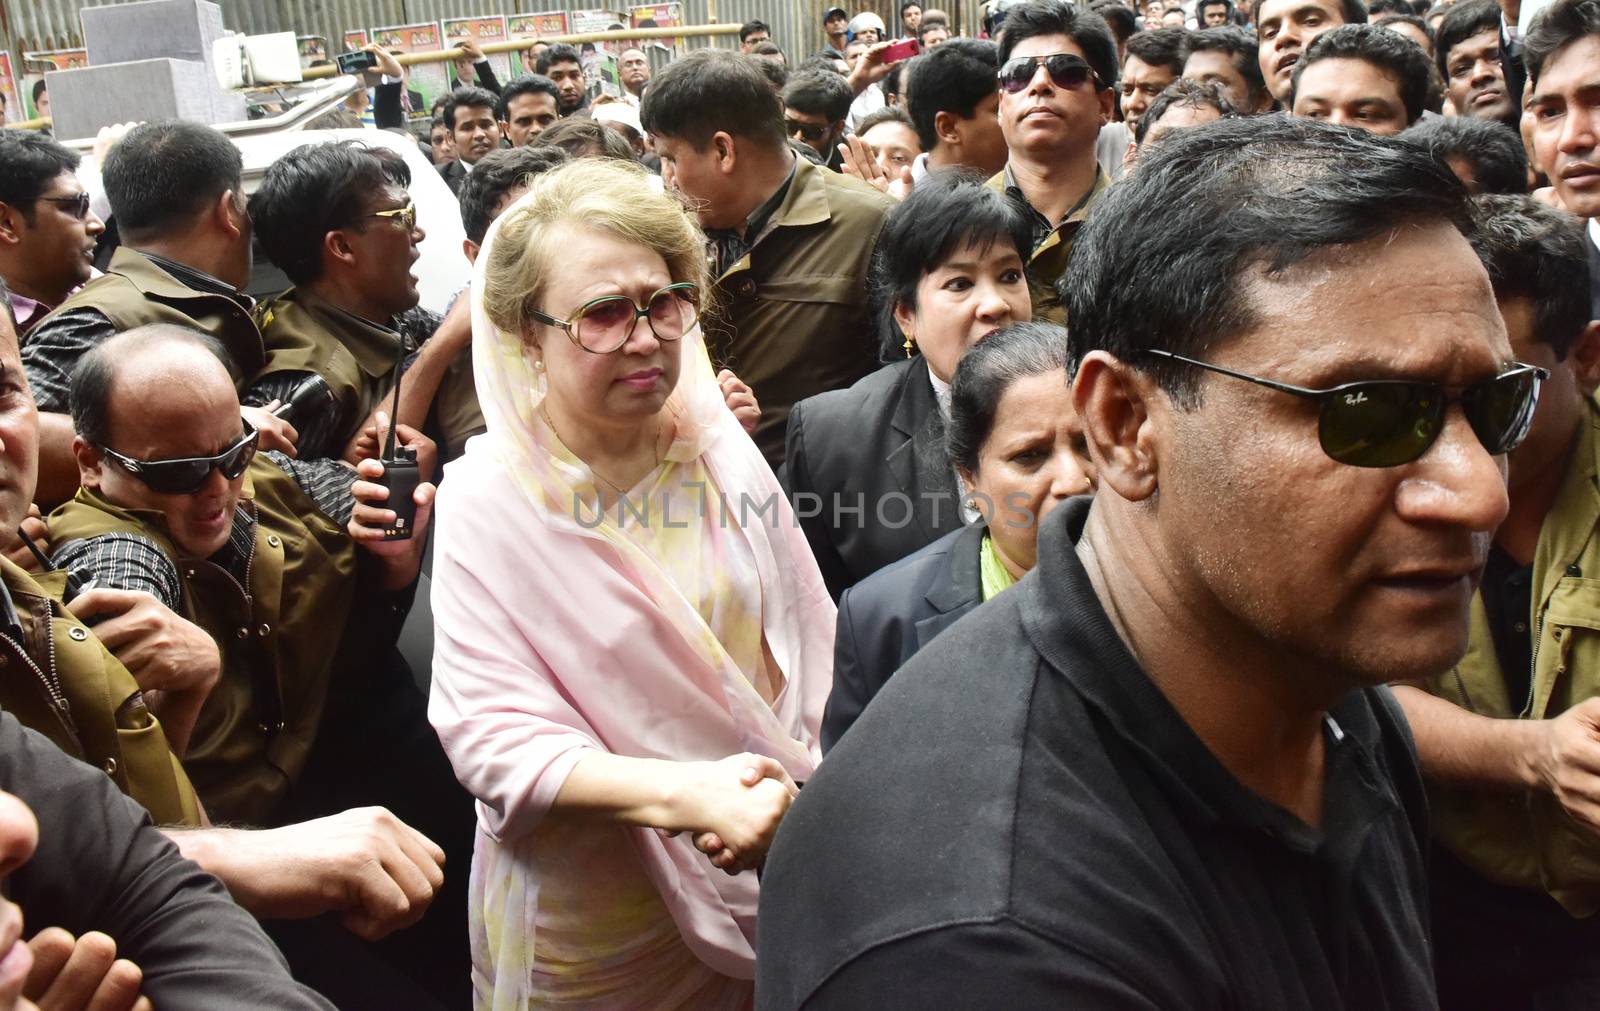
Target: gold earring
910 345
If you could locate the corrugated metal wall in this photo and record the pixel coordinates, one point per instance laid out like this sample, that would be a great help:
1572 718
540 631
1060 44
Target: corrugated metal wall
53 24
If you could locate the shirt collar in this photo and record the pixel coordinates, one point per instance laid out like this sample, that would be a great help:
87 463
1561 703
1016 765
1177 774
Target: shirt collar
1043 227
194 278
27 311
759 217
1594 232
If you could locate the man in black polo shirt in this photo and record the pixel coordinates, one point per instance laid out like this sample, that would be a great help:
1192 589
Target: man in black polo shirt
1160 771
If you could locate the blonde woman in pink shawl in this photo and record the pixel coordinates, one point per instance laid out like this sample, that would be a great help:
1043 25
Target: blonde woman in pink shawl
633 640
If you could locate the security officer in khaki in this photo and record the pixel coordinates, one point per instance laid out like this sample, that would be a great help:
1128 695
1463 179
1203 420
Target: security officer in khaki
1510 739
177 198
336 217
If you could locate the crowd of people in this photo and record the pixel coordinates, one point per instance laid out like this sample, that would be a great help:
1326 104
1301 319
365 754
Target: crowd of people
1138 468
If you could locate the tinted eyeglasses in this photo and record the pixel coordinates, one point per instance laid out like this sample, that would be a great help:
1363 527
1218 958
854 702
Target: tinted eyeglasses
187 475
1066 70
809 132
407 215
603 325
1389 422
76 205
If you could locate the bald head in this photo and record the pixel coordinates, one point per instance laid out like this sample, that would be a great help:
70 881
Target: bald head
161 369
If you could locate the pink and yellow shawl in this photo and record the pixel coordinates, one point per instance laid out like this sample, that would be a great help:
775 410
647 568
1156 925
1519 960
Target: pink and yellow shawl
557 636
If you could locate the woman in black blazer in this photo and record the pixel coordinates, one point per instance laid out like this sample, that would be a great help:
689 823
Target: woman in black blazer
865 467
1015 441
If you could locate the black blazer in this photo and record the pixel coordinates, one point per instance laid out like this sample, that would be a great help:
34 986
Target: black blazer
894 612
454 174
1594 272
879 443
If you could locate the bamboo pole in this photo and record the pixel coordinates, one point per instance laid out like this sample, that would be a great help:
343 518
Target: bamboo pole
624 35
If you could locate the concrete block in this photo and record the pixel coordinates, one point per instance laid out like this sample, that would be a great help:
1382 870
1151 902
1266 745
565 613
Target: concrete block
152 29
89 98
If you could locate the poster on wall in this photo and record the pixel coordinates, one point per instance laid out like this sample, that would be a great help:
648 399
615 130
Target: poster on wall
482 30
36 64
313 50
598 21
424 81
534 26
354 39
668 15
8 91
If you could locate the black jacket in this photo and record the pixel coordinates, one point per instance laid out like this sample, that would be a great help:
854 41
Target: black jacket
894 612
454 174
1594 273
866 471
101 865
1023 820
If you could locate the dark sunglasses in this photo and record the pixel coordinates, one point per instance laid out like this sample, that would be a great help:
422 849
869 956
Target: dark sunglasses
1388 422
1066 70
188 475
809 132
76 205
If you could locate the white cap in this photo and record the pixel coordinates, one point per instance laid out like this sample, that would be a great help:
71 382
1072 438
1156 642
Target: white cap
865 20
618 112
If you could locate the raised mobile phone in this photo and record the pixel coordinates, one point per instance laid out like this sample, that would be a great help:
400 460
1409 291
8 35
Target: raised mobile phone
902 50
400 472
355 63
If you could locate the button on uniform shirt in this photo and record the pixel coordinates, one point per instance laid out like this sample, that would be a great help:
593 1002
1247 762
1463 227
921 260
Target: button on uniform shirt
1022 820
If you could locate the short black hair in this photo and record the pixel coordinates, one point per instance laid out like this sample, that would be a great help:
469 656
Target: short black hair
986 372
1201 5
1376 7
1556 27
38 89
29 163
1184 93
887 114
1461 22
945 211
1387 50
1161 47
558 53
497 173
712 90
1536 252
1412 20
1278 189
953 78
1240 45
1122 21
925 26
527 84
163 175
907 5
1052 17
89 394
582 137
1495 152
316 189
820 93
1354 12
777 74
469 98
749 28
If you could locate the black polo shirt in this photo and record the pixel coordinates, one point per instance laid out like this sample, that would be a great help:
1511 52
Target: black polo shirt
1021 819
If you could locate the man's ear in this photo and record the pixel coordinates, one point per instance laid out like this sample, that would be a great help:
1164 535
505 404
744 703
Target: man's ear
944 125
1114 404
726 150
1584 358
230 213
90 461
12 224
337 245
471 249
1108 105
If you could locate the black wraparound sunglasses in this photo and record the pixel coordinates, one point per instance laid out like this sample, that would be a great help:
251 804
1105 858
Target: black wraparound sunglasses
1065 69
1389 422
187 475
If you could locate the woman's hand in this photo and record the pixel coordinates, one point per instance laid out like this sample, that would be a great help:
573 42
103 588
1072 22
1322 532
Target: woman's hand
734 806
741 400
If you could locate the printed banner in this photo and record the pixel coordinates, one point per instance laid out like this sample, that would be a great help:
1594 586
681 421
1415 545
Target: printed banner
533 26
8 91
354 39
36 64
667 15
313 51
482 30
425 81
598 21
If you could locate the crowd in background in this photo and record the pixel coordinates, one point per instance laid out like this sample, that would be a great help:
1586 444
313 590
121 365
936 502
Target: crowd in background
1138 468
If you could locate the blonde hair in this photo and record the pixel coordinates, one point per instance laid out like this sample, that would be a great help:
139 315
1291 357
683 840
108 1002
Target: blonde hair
589 193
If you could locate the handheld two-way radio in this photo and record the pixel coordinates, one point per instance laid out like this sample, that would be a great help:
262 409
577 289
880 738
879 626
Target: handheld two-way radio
400 473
